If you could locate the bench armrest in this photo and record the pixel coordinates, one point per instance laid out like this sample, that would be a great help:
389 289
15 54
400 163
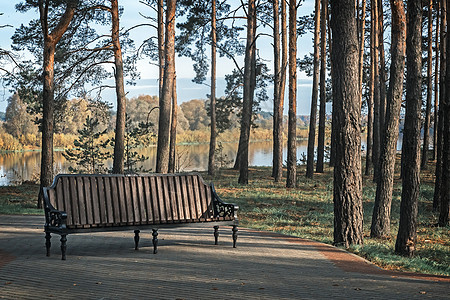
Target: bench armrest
56 219
221 208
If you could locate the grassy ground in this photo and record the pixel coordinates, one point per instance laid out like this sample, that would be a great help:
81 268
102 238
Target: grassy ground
306 211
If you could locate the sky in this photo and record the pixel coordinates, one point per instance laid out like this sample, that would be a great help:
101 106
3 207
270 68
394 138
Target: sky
148 83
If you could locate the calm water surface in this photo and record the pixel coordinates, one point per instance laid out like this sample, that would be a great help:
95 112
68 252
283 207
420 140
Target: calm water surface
18 167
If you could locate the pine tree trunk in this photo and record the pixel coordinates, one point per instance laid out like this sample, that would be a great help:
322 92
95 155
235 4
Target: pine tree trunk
426 129
161 44
50 42
247 106
371 95
376 96
277 171
445 184
119 140
162 151
439 143
291 179
212 106
436 82
313 115
407 235
173 128
382 209
361 43
383 78
322 112
347 192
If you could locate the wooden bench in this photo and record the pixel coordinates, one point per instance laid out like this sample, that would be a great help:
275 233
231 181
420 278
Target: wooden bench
95 203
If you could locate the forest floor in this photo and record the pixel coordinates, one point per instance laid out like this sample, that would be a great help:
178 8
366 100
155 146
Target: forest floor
307 212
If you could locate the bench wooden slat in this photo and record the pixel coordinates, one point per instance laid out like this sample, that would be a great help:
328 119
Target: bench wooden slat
59 201
115 199
173 198
179 197
127 199
84 207
198 203
160 199
67 200
184 195
108 199
133 199
141 199
74 209
154 200
191 197
119 182
148 199
205 208
97 213
100 191
209 200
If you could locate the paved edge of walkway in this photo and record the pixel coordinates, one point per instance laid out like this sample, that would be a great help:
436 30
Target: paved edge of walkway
351 262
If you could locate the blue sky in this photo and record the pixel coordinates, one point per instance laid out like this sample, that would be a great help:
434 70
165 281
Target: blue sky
149 73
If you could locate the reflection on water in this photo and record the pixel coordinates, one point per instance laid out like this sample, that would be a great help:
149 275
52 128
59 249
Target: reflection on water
22 166
17 167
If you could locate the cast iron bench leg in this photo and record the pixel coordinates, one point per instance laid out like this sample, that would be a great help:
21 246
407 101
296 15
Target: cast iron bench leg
136 239
48 244
155 240
63 246
216 235
235 231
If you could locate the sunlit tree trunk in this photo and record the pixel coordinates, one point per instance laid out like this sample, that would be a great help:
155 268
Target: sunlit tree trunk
445 184
442 89
426 128
51 39
383 78
173 128
361 43
313 115
322 108
385 185
277 166
119 140
212 106
162 151
247 106
436 81
407 232
347 191
376 94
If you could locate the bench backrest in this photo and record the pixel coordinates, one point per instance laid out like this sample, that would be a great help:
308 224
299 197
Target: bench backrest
107 200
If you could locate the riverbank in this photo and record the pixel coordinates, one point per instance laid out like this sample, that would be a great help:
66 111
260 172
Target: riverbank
307 212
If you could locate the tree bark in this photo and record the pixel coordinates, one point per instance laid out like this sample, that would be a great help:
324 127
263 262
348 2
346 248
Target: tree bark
162 151
439 143
322 108
173 128
407 235
278 97
212 106
376 96
247 106
445 184
383 78
347 191
51 39
371 96
382 209
291 179
426 127
436 82
361 43
161 45
313 115
119 140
